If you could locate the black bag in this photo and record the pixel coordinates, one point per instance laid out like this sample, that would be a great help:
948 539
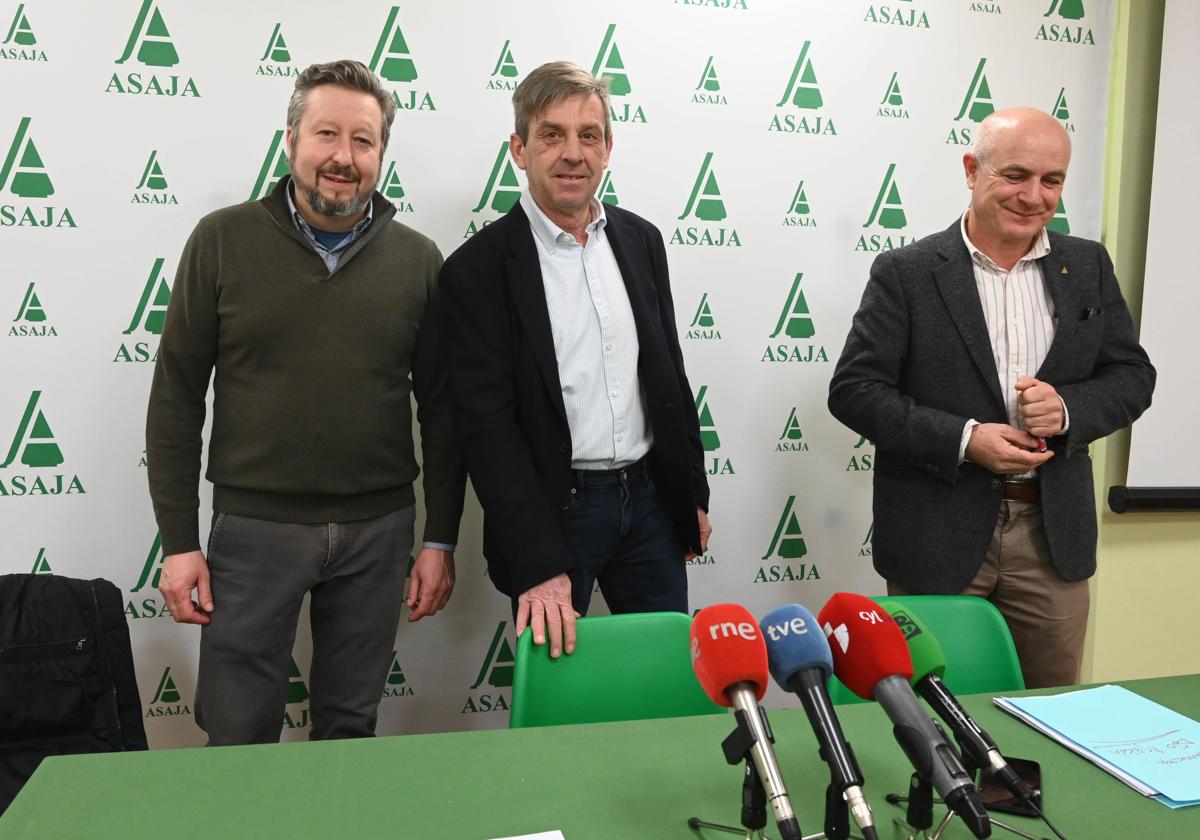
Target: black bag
67 683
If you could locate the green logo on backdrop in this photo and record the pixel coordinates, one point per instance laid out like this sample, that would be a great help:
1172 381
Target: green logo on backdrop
864 550
297 690
275 58
502 190
906 16
1069 9
150 44
791 439
167 700
709 439
152 569
274 166
396 684
795 322
892 104
393 61
708 90
705 204
977 103
24 164
862 461
31 317
496 672
704 324
150 605
152 187
787 544
34 441
610 65
393 190
504 74
607 192
799 211
803 92
41 566
19 41
888 211
151 311
1062 112
1059 223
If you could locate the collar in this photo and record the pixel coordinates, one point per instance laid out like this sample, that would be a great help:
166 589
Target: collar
1040 248
550 235
304 227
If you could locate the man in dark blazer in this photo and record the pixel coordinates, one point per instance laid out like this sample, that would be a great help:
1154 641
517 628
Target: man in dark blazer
982 362
571 402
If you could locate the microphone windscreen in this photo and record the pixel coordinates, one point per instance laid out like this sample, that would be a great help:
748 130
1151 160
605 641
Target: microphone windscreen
923 646
866 644
727 648
794 642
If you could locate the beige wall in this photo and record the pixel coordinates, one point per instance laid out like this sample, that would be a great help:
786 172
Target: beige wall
1143 594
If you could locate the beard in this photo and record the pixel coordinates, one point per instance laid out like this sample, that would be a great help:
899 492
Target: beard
329 207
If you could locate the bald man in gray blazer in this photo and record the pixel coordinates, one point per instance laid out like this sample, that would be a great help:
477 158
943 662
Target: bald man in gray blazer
982 362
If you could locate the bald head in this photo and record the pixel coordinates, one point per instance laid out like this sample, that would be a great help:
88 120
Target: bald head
1012 124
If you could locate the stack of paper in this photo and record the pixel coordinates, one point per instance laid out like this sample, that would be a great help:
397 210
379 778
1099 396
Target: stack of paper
1150 748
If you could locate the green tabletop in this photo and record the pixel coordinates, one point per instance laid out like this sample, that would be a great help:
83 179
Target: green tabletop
638 779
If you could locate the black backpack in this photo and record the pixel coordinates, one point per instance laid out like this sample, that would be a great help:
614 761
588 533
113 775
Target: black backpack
67 683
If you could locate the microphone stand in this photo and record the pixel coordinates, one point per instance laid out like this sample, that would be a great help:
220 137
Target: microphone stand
736 747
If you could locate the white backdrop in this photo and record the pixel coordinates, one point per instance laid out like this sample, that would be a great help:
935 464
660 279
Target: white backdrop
778 145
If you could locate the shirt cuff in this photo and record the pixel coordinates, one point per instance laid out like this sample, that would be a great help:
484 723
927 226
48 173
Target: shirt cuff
966 438
439 546
1066 417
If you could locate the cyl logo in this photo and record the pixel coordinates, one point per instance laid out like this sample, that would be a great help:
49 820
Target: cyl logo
150 44
31 318
610 65
149 316
802 92
20 44
34 446
496 672
705 204
152 187
393 62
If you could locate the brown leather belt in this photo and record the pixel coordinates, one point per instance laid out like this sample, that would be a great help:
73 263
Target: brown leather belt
1024 490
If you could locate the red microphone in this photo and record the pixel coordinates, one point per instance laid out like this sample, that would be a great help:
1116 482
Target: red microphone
871 657
730 659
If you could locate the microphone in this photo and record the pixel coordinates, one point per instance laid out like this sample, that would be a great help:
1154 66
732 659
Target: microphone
730 660
929 664
800 662
871 658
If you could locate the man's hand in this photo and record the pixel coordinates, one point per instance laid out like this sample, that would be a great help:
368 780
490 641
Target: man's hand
181 573
548 606
705 533
1005 450
431 583
1041 407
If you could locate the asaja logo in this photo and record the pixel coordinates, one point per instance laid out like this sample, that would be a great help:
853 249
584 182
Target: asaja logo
714 4
709 438
393 190
393 62
989 8
152 187
396 684
799 212
276 58
791 439
500 193
704 323
888 213
705 204
34 446
167 700
909 17
20 44
149 316
795 322
708 91
788 545
151 604
24 175
607 192
1059 223
41 566
497 672
1065 33
150 44
976 106
610 65
297 694
274 166
504 74
892 104
864 550
862 456
31 318
804 93
1062 112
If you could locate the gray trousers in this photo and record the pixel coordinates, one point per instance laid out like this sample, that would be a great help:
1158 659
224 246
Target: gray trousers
260 573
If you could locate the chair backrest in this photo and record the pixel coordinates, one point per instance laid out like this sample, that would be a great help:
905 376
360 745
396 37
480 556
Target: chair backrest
625 667
980 655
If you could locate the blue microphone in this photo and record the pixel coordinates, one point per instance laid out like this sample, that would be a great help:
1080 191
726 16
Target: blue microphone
800 661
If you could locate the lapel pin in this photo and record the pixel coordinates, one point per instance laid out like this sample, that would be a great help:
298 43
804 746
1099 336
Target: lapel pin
1064 270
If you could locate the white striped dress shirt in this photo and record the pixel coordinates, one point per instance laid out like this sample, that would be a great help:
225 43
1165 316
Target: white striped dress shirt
1020 319
595 342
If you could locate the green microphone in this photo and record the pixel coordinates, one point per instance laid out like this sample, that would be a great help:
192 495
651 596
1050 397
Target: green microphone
929 664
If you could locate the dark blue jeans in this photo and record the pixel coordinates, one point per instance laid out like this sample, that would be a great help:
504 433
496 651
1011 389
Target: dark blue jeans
620 534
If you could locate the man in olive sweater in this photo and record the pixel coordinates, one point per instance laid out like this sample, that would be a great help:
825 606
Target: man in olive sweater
314 308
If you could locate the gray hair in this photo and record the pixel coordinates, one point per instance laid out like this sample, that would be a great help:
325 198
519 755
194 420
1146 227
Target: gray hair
552 83
345 73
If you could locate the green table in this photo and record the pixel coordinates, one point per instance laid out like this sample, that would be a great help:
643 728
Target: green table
639 779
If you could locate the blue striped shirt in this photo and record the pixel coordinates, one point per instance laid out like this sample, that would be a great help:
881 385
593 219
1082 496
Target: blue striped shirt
331 256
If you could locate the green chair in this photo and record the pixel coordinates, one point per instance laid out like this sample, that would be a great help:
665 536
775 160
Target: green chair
625 667
980 655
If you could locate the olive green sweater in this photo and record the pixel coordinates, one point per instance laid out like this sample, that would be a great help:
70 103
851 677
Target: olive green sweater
312 417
